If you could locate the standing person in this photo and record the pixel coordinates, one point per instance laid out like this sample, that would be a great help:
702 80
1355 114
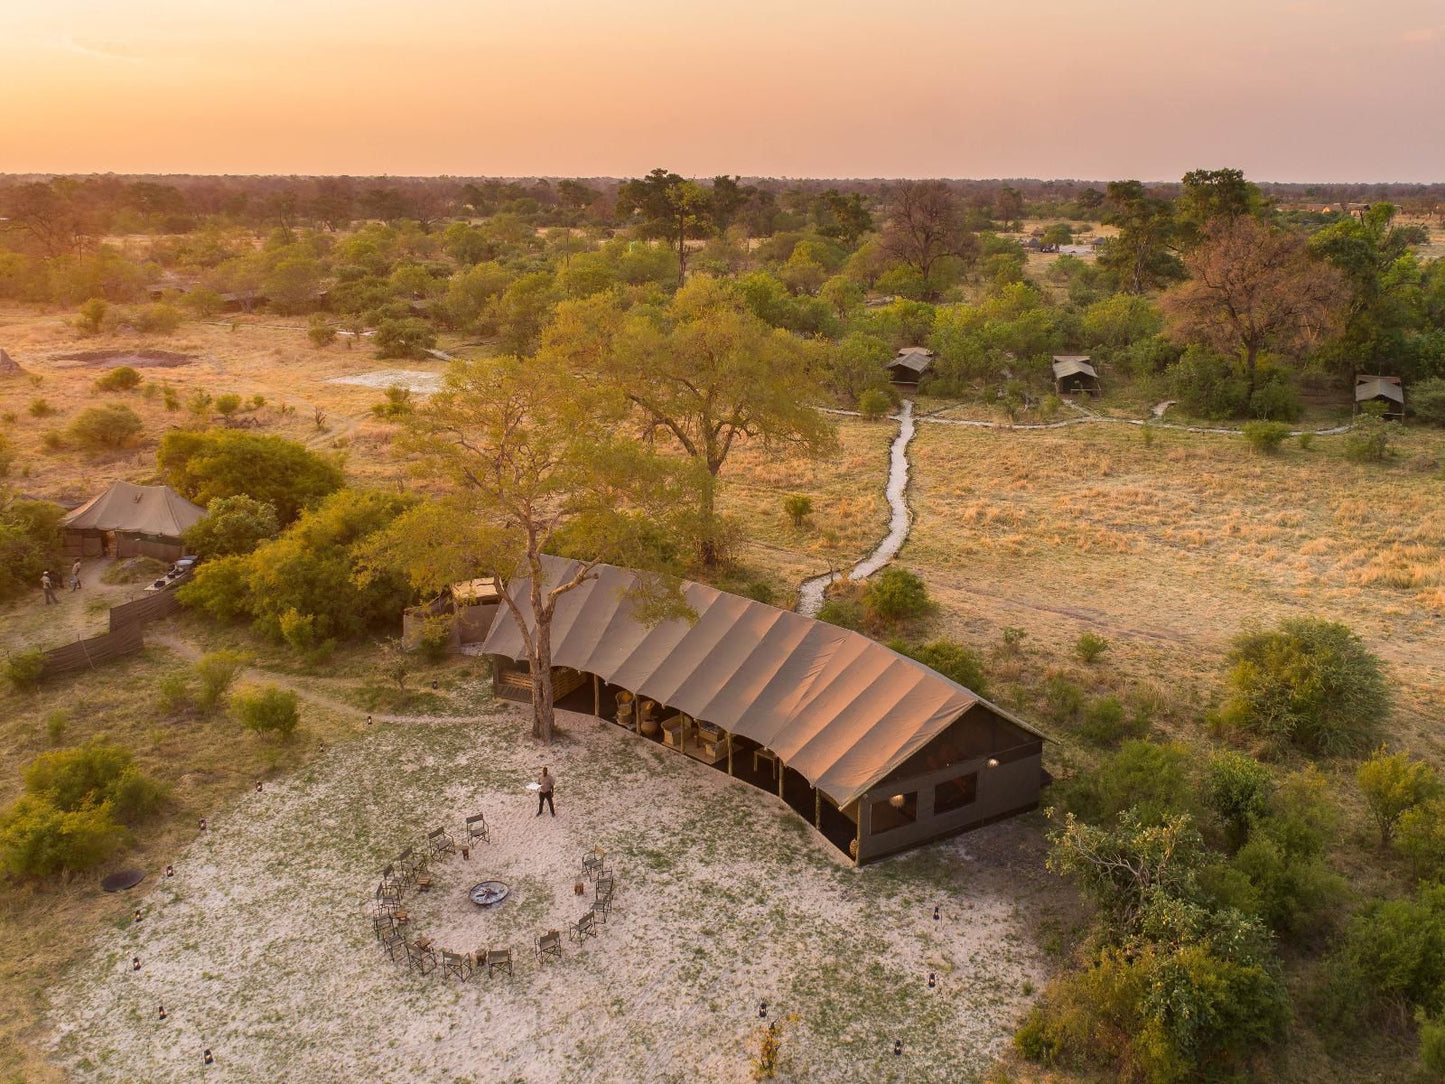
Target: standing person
75 575
48 586
545 782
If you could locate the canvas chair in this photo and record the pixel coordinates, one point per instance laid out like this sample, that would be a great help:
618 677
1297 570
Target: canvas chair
602 901
441 843
453 963
583 928
395 945
549 944
499 958
477 828
405 866
591 865
382 924
423 959
388 894
388 873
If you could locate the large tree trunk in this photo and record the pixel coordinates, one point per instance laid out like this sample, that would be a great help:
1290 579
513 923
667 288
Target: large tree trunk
1251 358
544 710
708 548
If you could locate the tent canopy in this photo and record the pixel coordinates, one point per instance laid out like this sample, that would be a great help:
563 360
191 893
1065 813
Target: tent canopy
1378 387
840 709
157 510
1071 365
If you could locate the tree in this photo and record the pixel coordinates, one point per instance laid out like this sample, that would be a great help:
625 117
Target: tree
292 284
1237 789
1309 682
532 464
895 594
924 226
29 541
232 526
1252 289
1393 784
408 337
671 207
703 371
110 426
1211 195
1139 256
799 508
227 463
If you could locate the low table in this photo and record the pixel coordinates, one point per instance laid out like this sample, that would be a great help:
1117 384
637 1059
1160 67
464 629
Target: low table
488 893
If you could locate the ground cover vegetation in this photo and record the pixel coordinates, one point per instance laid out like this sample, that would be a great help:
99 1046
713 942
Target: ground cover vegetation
1247 797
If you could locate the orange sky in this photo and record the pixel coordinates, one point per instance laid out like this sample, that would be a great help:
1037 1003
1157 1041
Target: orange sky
1309 90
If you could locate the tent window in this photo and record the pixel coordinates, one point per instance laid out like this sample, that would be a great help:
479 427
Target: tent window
895 812
955 793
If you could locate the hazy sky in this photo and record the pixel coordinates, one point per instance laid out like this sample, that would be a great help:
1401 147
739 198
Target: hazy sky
1307 90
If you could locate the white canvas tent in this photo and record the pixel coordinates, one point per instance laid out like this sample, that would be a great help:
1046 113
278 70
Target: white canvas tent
138 520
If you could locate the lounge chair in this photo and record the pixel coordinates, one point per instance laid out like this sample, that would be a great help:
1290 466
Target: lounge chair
441 843
477 828
549 944
583 928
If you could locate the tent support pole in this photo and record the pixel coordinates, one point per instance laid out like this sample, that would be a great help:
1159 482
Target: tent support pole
781 770
730 752
817 809
596 696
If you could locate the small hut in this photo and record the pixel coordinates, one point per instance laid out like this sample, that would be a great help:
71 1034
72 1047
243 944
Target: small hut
910 364
1381 389
1074 374
131 521
467 609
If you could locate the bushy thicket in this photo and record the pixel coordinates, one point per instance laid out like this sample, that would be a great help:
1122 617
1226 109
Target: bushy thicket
267 710
29 543
203 466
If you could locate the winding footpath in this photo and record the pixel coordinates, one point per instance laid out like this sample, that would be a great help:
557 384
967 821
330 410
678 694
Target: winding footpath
810 594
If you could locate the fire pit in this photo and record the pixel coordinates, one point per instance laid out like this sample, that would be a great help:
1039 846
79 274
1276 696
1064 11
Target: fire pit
488 893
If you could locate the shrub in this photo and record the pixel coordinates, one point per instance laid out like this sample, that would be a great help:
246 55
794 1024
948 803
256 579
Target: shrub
895 594
408 337
91 315
1063 700
1293 893
24 669
846 613
111 426
1265 437
1368 440
798 508
216 671
1420 836
1150 779
232 526
874 403
1432 1044
40 408
55 724
1392 954
156 319
173 692
1427 400
1309 682
1090 647
1305 440
121 378
435 641
228 404
1106 723
267 710
951 659
1237 789
1393 784
90 775
1276 402
321 331
228 462
37 840
1013 638
396 404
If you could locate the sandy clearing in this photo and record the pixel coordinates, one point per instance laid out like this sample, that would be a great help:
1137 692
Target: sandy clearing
259 947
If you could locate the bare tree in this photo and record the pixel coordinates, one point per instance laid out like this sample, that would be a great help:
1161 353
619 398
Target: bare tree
1252 289
926 224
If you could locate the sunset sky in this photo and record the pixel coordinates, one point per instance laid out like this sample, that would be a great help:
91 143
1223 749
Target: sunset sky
1328 90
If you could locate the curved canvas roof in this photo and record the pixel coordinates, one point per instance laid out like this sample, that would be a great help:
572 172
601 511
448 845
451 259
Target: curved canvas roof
1375 387
837 707
1071 364
142 509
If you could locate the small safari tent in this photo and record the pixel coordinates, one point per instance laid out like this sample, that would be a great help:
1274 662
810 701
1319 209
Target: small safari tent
1073 373
130 521
876 751
464 611
1381 389
910 364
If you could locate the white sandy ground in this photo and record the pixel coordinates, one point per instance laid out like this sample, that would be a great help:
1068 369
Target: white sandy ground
260 949
415 380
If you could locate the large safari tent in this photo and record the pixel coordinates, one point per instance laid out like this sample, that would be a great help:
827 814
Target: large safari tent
130 521
875 750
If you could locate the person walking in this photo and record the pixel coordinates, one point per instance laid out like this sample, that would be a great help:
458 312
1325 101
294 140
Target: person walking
75 575
48 586
545 782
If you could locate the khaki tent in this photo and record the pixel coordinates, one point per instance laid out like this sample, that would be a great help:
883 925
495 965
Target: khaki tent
134 520
1381 389
902 753
910 364
1073 373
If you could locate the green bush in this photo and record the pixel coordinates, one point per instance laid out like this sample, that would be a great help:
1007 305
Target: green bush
408 337
798 508
1391 955
320 331
228 462
949 658
1237 789
231 527
228 404
103 427
1427 400
1106 722
93 774
55 725
40 408
895 594
37 840
1311 683
846 613
1265 437
1090 647
1149 779
216 671
173 692
92 315
1420 836
1368 440
1276 401
121 378
24 669
267 710
874 403
1305 440
1392 785
1063 700
435 641
1432 1044
219 588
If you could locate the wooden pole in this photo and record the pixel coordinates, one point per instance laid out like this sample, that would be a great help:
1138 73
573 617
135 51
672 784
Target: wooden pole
817 809
730 752
781 770
596 696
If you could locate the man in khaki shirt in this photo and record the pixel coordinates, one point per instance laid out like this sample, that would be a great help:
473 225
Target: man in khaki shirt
545 783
